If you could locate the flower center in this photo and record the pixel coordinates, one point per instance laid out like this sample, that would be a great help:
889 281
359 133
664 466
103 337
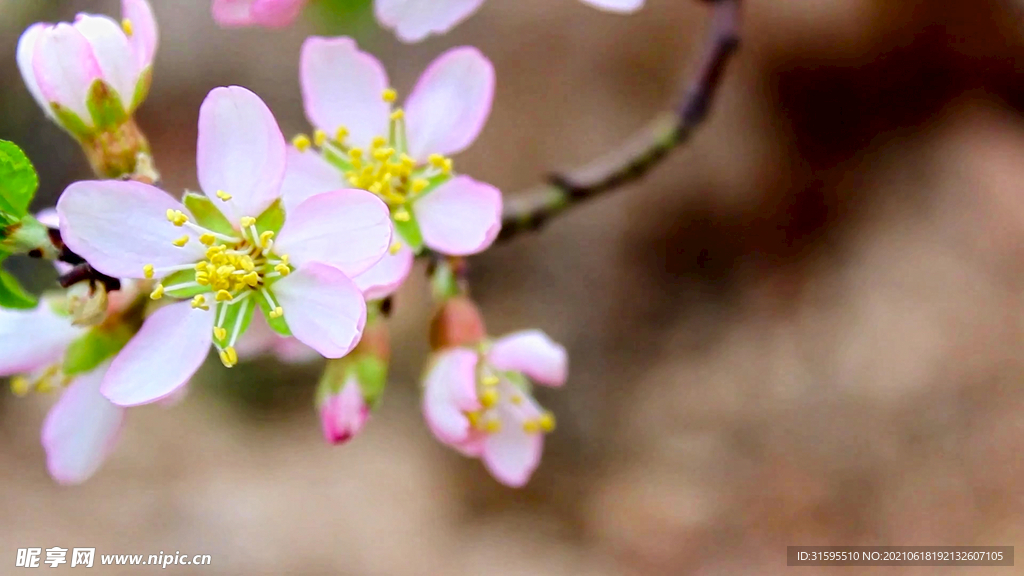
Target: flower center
49 379
503 403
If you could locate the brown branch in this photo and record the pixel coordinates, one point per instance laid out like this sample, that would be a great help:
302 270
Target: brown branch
529 210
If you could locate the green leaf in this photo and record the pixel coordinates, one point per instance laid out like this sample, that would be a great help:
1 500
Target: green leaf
105 105
183 277
271 219
276 324
409 232
18 181
243 309
12 295
207 214
94 347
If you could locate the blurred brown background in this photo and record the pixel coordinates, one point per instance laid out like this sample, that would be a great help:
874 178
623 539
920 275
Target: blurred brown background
804 328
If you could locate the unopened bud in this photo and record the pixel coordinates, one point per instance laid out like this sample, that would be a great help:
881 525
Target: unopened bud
343 414
457 323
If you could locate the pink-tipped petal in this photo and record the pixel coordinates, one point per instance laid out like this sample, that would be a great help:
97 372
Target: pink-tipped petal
344 414
145 35
449 391
80 430
233 13
450 104
533 353
113 53
119 227
26 54
461 217
343 87
347 229
33 339
308 174
414 20
161 358
276 13
511 454
323 308
241 151
65 68
386 276
622 6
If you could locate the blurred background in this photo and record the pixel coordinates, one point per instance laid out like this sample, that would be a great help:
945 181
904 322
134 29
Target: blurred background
803 328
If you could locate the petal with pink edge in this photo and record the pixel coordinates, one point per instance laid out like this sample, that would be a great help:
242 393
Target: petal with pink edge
386 276
26 53
450 104
241 151
449 391
323 308
119 227
344 414
414 20
80 430
65 68
511 454
276 13
308 174
33 339
623 6
161 358
461 217
145 35
347 229
343 87
113 53
533 353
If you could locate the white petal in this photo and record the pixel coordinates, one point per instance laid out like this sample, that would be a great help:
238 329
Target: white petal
386 276
449 391
80 430
145 35
65 68
33 339
119 227
511 454
308 174
113 54
26 53
161 358
414 20
533 353
323 308
461 217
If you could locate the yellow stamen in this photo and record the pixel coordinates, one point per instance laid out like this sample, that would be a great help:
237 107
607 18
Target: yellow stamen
229 357
402 215
319 137
180 242
126 25
283 269
20 386
223 195
491 380
378 142
157 292
199 301
531 426
266 237
148 270
489 398
223 296
277 312
547 422
395 247
517 400
207 239
301 142
252 279
341 134
220 333
177 217
419 185
247 221
493 426
398 114
390 95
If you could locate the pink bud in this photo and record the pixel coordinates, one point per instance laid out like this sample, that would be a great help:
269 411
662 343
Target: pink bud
343 415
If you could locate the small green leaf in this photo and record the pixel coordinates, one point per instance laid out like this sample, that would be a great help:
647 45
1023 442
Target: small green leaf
142 88
207 214
71 122
18 181
276 324
179 278
105 105
409 232
272 218
94 347
12 295
243 310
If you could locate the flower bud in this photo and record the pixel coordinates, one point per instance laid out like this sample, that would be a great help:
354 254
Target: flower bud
343 415
352 386
457 323
90 76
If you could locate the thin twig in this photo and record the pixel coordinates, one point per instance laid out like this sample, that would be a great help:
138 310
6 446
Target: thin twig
529 210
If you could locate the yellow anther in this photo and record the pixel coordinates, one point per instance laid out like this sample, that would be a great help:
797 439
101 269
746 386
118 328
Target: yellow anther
20 386
402 215
390 95
207 239
474 419
229 357
199 301
547 422
223 195
157 292
341 134
355 153
177 217
148 270
180 242
408 161
252 279
283 269
395 247
378 142
436 160
531 426
223 296
419 185
215 250
245 263
489 398
277 312
45 386
490 380
220 333
301 142
319 137
284 259
493 426
225 270
202 279
398 114
447 168
266 237
126 25
247 221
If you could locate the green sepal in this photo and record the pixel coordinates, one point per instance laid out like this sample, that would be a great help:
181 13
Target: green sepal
182 277
142 88
18 182
71 122
372 375
443 283
94 347
105 106
272 218
244 308
410 232
12 295
276 324
206 214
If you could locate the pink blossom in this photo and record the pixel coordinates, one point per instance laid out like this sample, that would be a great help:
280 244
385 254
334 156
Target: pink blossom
479 402
343 414
227 253
94 60
266 13
401 155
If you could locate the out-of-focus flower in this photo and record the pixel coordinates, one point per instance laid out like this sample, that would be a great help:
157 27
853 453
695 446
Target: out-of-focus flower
266 13
90 76
227 253
401 155
477 399
343 414
351 387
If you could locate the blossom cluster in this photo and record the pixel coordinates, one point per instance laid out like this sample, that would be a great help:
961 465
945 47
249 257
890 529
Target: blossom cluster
290 247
